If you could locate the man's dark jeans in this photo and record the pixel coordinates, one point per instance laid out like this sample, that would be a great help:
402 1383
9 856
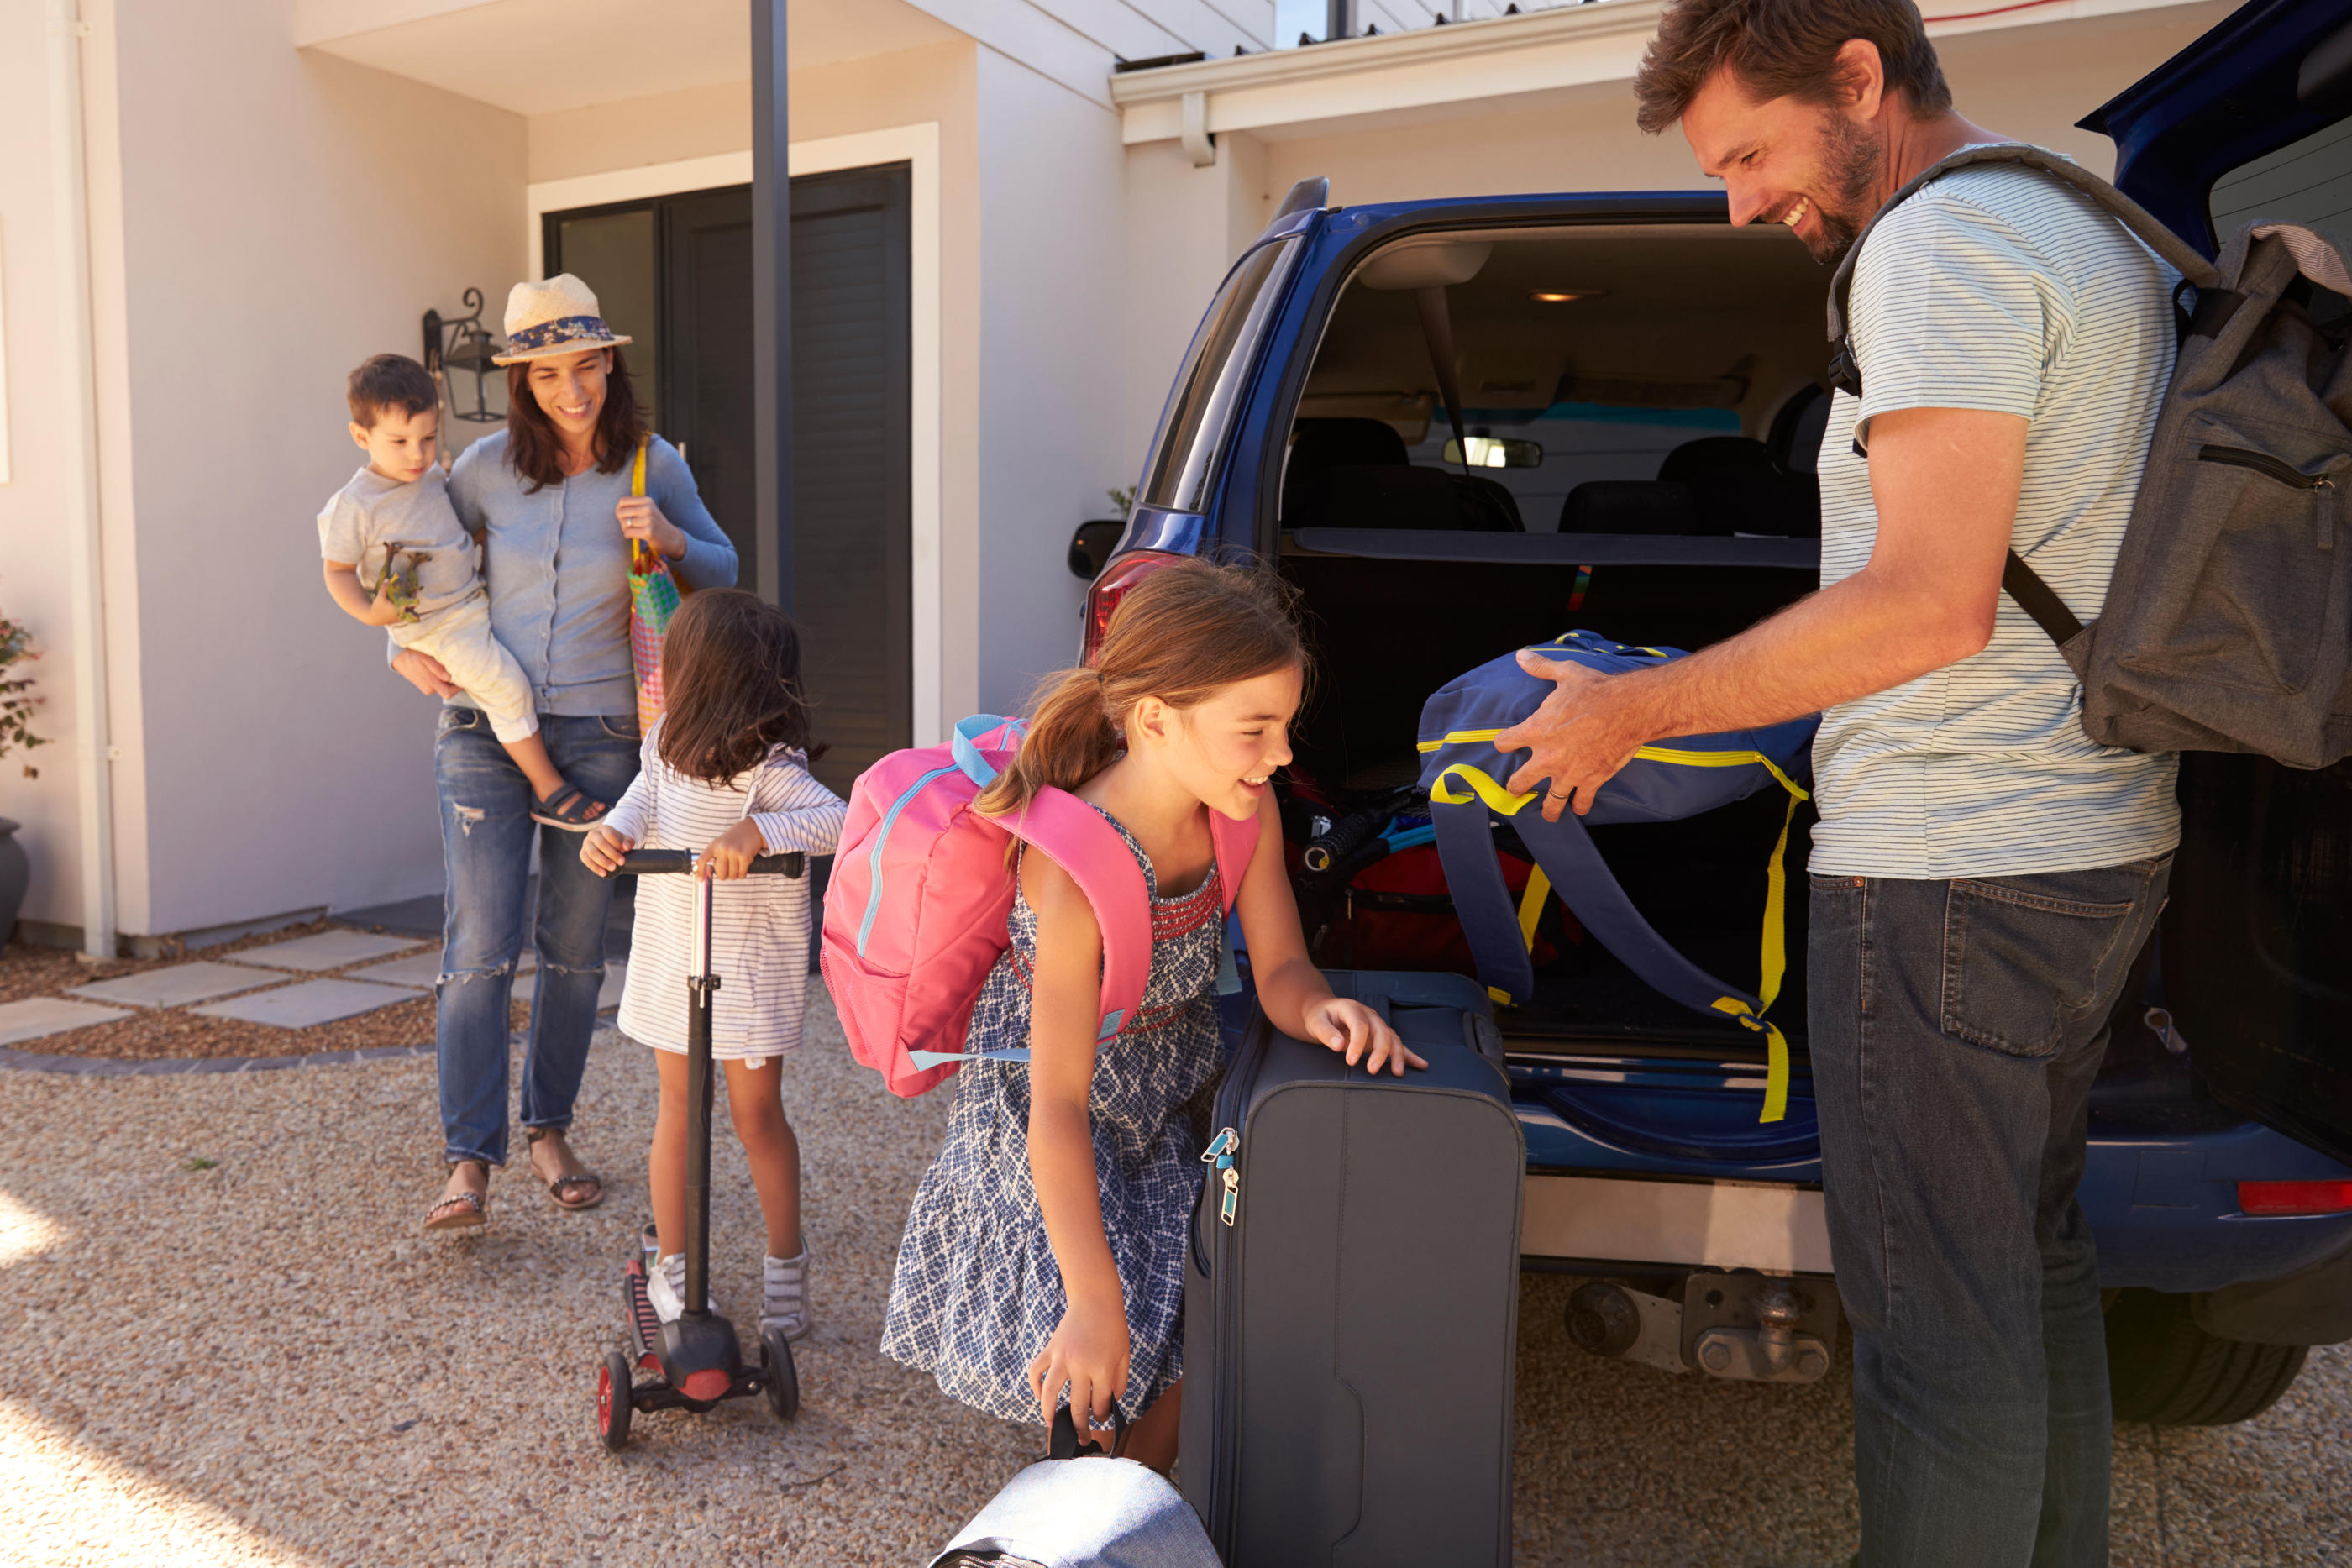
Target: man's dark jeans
486 839
1956 1027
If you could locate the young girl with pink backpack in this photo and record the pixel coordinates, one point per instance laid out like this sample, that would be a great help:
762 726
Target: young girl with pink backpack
1044 1249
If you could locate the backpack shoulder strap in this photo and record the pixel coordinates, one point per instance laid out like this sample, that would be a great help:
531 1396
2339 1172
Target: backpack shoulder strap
2185 259
1565 856
1236 844
1074 836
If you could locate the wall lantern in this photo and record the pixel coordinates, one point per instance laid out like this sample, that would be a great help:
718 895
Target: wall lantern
461 345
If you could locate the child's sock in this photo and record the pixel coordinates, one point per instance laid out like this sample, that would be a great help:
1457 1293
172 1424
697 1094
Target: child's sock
784 1294
665 1288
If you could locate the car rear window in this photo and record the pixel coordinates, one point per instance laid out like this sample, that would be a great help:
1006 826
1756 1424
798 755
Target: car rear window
1183 467
2307 182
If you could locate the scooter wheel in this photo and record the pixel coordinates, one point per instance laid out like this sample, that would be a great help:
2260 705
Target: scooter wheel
613 1401
783 1378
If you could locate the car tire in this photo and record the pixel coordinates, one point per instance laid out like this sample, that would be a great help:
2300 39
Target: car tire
2164 1369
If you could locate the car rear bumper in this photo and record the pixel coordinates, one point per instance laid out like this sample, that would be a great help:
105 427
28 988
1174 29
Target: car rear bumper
2164 1209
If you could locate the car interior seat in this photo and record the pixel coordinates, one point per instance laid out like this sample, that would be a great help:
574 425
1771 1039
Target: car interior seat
1354 474
1740 489
1629 507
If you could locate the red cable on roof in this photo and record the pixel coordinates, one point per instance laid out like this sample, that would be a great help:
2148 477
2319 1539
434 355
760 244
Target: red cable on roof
1996 11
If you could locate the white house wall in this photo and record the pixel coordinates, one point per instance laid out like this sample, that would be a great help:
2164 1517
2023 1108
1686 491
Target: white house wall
286 215
34 582
1051 342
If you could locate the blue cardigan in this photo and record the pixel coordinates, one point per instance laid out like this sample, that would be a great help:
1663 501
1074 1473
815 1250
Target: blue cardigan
558 568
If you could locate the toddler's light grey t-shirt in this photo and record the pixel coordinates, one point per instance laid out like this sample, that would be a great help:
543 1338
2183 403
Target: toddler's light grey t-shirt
371 517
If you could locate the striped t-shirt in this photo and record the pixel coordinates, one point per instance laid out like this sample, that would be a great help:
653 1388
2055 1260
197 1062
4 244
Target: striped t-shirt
2001 290
760 925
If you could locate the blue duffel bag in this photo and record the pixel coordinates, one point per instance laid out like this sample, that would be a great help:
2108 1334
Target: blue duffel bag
1664 783
1080 1510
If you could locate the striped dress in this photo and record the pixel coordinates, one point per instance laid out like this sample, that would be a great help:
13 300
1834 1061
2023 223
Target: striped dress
977 1291
760 925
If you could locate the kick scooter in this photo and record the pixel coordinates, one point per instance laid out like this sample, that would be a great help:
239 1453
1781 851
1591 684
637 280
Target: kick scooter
697 1361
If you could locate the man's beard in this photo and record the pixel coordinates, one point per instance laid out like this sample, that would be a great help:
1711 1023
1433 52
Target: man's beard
1850 165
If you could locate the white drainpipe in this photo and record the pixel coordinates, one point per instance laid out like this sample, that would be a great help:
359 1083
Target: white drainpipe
94 760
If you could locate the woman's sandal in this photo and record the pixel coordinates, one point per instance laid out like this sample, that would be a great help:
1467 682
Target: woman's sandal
465 1211
558 1185
571 808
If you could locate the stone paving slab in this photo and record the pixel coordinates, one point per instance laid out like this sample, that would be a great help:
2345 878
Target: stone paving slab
326 950
38 1016
311 1003
423 970
608 995
177 986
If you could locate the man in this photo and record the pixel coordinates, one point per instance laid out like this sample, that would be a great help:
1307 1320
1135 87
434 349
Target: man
1983 874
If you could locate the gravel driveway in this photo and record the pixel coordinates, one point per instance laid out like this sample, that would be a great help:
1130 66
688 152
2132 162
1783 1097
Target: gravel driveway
231 1345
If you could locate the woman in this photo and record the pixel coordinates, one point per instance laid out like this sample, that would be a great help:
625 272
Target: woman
550 493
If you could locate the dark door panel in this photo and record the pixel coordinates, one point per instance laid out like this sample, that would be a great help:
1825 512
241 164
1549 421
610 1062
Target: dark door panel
675 272
852 499
707 395
2258 941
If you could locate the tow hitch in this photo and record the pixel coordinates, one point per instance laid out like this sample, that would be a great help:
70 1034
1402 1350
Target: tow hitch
1743 1326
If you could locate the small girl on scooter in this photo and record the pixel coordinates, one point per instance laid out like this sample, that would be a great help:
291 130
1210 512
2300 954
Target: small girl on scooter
1045 1247
724 771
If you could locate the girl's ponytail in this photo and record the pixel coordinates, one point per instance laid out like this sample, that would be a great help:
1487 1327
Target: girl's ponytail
1181 633
1070 740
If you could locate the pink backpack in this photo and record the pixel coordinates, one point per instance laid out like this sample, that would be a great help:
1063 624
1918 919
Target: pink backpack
915 916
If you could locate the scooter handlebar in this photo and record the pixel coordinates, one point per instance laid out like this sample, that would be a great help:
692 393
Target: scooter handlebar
653 862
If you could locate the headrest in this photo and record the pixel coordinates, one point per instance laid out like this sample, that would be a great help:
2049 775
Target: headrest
1719 461
1738 488
1324 444
1629 507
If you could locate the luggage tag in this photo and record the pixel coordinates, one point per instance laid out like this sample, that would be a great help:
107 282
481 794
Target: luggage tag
1220 1154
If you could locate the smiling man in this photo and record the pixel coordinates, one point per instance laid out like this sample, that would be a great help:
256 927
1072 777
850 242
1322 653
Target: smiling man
1983 873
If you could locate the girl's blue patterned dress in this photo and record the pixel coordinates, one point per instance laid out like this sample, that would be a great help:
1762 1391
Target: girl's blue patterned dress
978 1292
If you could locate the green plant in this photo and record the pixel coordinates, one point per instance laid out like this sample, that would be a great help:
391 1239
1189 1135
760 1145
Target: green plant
16 706
1122 498
197 1163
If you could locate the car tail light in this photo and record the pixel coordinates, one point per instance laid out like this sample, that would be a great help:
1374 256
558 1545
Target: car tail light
1103 598
2295 1197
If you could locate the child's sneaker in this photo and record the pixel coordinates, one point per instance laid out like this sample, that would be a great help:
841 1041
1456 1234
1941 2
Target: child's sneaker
784 1295
665 1289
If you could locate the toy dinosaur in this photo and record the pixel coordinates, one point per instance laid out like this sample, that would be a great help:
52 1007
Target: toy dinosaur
397 583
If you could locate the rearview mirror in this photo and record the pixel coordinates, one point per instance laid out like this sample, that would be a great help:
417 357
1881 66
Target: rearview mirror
1091 546
1497 452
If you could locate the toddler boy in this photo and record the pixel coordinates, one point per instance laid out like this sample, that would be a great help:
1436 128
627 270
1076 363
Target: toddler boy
396 556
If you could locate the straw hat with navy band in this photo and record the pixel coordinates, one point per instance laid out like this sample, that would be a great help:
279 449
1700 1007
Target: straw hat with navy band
555 315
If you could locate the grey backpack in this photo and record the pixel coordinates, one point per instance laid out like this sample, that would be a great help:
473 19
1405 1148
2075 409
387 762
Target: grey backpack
2227 622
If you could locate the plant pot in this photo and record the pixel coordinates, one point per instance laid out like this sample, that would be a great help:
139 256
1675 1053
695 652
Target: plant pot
16 875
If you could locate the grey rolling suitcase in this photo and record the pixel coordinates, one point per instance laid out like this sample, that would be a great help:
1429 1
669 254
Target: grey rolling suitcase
1352 1296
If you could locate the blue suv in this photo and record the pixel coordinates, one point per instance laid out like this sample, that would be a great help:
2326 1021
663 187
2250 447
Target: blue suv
1461 426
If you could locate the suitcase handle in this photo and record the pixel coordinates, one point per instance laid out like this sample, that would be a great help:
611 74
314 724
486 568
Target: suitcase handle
1064 1442
655 862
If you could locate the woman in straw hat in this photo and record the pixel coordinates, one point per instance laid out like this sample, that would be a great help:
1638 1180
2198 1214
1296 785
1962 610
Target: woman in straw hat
550 494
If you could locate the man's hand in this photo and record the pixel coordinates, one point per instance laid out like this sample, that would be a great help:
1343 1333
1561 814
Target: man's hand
730 855
641 520
1579 736
425 673
602 850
